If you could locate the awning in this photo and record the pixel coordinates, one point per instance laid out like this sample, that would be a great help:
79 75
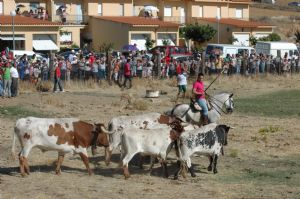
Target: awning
10 38
44 45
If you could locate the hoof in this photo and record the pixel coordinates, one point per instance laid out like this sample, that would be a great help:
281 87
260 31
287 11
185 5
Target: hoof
23 175
175 178
126 177
107 163
209 168
215 171
193 175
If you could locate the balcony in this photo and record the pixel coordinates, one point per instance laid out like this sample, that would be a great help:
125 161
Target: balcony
173 19
71 19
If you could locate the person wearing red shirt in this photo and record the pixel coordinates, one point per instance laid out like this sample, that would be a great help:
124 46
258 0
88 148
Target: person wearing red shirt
199 91
178 68
57 75
127 73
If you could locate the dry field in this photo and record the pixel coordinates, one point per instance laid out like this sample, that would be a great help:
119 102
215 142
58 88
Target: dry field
262 159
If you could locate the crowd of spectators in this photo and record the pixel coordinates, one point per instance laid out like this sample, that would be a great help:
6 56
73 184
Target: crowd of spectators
118 67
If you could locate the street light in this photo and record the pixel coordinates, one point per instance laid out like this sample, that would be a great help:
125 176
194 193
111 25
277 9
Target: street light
218 20
13 14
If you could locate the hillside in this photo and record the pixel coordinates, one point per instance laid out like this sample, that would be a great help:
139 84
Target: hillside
285 18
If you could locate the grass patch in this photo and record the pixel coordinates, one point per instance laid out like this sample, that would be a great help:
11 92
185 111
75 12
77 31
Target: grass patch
277 104
265 172
18 112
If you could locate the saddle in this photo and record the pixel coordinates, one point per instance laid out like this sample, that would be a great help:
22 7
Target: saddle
195 106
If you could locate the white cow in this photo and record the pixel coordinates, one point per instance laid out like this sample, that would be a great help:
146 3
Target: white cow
208 140
154 142
65 135
144 121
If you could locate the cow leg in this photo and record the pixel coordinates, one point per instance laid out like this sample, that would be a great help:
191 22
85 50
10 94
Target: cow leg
178 170
59 163
215 164
125 161
85 160
209 168
108 153
165 169
141 163
24 167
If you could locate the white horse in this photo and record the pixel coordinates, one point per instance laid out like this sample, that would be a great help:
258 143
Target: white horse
219 103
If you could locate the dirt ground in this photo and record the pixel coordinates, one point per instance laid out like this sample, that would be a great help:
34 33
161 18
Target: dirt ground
254 165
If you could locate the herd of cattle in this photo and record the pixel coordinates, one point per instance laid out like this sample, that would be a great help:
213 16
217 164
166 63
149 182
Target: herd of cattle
151 134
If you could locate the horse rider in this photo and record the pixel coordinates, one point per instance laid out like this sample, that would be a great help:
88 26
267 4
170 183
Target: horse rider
199 91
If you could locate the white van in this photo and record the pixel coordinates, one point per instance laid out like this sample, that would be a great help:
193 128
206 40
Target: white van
276 48
224 49
20 53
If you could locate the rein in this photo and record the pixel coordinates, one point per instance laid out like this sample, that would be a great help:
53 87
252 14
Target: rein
214 104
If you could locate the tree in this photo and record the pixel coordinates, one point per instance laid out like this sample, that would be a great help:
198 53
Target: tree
270 37
166 42
297 36
198 33
107 47
252 40
149 43
232 39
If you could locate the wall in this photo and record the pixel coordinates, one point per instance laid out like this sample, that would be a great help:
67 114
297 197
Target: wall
75 33
29 31
106 31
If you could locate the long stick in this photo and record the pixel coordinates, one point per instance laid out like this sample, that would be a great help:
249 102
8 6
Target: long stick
215 79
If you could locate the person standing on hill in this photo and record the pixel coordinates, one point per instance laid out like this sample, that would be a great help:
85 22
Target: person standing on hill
127 73
14 80
57 75
182 83
7 79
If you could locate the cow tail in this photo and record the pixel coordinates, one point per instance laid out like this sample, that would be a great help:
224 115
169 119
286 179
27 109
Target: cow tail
13 145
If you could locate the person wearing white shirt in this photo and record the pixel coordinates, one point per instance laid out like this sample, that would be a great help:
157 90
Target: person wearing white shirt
182 83
14 80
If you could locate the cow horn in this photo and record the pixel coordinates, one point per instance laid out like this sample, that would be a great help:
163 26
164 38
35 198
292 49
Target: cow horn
103 129
184 124
232 127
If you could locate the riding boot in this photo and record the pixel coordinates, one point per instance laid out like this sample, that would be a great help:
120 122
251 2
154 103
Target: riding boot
205 120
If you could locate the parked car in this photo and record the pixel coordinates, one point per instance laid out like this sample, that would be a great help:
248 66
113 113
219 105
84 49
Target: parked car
294 3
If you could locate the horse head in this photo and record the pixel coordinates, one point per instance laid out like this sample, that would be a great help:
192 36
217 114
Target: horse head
229 104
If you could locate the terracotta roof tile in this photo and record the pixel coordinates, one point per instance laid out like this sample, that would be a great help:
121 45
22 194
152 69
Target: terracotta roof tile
139 21
237 22
22 20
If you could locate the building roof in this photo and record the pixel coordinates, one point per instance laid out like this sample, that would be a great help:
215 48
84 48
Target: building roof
139 21
238 23
25 21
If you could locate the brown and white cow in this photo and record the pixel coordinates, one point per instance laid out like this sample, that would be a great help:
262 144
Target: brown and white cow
65 135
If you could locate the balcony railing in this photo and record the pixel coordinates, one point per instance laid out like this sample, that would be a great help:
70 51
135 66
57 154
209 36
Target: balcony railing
71 19
178 20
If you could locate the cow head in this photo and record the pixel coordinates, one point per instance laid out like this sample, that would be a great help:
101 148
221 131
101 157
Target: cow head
222 132
176 130
100 136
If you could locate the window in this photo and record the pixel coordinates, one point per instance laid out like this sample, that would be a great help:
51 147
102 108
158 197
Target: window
219 12
1 7
168 12
100 9
200 11
121 9
66 38
239 13
133 10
